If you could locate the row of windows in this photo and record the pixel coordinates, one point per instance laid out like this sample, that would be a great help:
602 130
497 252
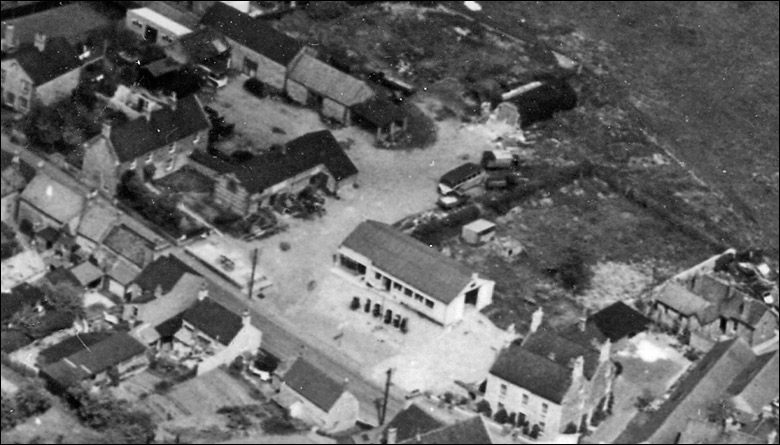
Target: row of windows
542 425
525 399
408 292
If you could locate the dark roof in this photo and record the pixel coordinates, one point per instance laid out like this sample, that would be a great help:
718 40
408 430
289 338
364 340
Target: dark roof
695 391
11 340
757 385
379 111
20 296
214 320
162 67
619 320
73 22
313 384
62 275
164 272
543 363
329 82
256 35
411 422
458 174
170 327
303 153
70 346
471 431
141 136
129 244
57 58
409 260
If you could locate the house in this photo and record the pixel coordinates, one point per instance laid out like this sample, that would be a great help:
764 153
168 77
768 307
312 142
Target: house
44 71
14 177
88 275
135 243
74 22
700 387
211 335
463 177
552 383
312 395
332 92
381 116
154 27
479 231
119 274
98 219
258 50
120 354
470 431
312 158
408 424
17 299
155 145
167 77
756 386
164 288
410 275
46 202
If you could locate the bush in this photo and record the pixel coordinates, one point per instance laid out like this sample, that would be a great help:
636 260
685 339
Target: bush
501 416
163 386
106 414
483 407
255 87
355 304
284 246
573 271
278 426
644 400
236 366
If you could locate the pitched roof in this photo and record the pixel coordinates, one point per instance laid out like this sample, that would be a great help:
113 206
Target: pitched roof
303 153
619 320
409 260
758 384
20 296
62 275
214 320
122 271
379 111
57 58
49 234
164 272
86 273
183 18
471 431
313 384
97 220
684 301
256 35
458 174
70 346
169 327
73 22
54 198
694 392
329 82
140 136
411 422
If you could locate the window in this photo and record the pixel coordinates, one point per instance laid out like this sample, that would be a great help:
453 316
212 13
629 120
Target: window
428 303
197 139
167 38
169 165
25 87
133 165
418 297
377 275
172 150
137 24
544 409
397 286
525 399
23 103
408 292
502 390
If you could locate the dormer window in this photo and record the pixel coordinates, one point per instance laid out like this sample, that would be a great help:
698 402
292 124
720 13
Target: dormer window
149 158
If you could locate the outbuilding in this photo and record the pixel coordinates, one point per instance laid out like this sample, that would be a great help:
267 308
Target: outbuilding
479 231
154 27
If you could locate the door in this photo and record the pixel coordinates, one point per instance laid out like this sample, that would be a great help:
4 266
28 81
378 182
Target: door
471 296
151 34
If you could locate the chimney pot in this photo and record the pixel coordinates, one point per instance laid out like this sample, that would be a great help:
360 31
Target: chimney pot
392 436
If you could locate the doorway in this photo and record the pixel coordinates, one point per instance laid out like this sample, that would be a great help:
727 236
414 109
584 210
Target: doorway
150 34
472 297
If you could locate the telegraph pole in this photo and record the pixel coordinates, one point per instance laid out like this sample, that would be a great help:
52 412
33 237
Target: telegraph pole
252 277
387 396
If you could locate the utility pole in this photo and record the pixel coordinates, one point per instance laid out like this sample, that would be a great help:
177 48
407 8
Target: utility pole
386 398
252 277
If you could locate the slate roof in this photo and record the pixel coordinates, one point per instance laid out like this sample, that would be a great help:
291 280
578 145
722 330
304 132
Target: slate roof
70 346
686 302
129 244
54 198
409 260
214 320
457 175
303 153
618 321
329 82
256 35
140 136
379 111
73 22
19 297
97 221
313 384
542 364
169 327
694 392
57 58
758 384
164 272
411 422
471 431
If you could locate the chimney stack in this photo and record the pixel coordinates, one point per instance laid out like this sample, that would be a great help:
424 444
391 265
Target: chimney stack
246 318
40 41
392 436
203 292
536 320
106 130
9 36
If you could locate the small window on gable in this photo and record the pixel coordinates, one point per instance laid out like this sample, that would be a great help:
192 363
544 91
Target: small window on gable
137 24
408 292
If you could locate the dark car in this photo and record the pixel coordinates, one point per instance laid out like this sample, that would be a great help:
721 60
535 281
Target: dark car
255 87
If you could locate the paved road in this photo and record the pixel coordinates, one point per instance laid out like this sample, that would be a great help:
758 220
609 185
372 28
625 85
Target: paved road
279 336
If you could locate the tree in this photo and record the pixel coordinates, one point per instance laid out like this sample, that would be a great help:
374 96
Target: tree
31 400
501 416
65 297
10 416
326 11
483 407
573 270
237 366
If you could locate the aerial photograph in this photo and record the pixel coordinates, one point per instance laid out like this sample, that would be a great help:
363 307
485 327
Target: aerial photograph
390 222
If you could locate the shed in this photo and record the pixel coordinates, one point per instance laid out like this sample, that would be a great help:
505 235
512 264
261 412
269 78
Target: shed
479 231
382 116
88 274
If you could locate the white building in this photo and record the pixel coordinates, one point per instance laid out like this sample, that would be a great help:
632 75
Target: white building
154 27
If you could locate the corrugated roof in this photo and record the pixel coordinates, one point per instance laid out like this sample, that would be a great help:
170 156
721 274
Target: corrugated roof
329 82
409 260
54 198
57 58
471 431
214 320
166 125
257 35
313 384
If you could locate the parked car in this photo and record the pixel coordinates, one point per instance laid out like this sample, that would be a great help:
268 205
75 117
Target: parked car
255 87
451 201
213 77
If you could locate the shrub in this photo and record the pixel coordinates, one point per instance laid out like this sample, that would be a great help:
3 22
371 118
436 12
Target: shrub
236 366
163 386
278 426
284 246
355 304
571 428
644 400
501 416
573 270
483 407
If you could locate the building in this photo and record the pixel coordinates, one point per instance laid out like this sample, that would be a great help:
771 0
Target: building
135 243
203 46
408 424
258 50
409 275
74 22
754 389
153 146
14 177
211 335
46 202
479 231
164 288
310 394
551 382
120 354
382 117
44 71
470 431
312 158
333 93
24 267
694 393
154 27
98 219
88 275
463 177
